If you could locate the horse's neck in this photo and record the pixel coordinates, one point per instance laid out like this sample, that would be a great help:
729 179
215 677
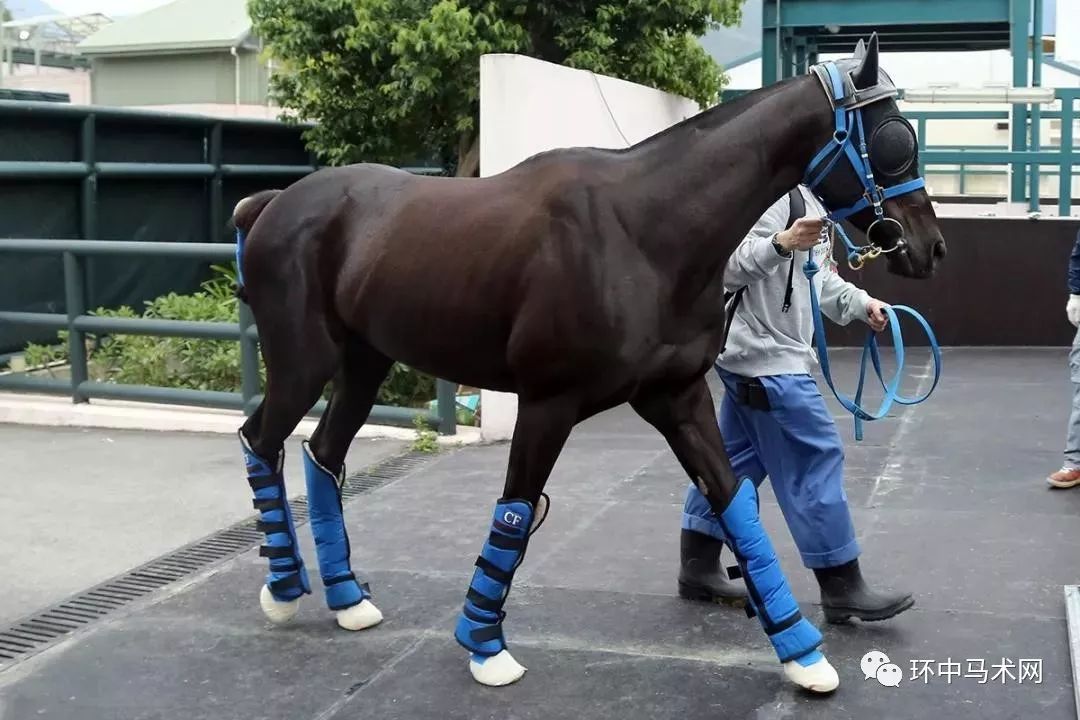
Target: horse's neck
706 183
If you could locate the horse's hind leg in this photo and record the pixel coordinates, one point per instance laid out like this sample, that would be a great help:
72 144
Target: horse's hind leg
355 386
541 431
299 362
685 418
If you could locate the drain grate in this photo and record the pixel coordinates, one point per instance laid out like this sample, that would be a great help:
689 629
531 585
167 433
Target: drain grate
37 632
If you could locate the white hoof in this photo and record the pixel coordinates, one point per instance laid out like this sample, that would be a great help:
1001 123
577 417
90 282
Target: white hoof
497 670
359 616
820 677
276 611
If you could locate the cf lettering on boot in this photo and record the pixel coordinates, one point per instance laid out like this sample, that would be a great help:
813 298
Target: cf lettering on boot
479 627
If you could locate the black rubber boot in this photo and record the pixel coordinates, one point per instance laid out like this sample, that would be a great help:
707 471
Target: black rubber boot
844 595
700 575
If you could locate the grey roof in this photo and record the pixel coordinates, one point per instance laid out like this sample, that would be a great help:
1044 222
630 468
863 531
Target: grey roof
177 26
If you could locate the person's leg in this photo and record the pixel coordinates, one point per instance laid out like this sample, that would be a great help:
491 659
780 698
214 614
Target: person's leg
803 455
701 574
1069 474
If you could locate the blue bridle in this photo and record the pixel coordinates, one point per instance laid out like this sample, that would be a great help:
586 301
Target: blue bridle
849 131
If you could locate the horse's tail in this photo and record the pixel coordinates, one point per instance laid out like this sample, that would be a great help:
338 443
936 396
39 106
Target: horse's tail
245 214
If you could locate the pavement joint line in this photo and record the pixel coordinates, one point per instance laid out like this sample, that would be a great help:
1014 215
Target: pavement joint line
421 637
894 460
586 521
726 657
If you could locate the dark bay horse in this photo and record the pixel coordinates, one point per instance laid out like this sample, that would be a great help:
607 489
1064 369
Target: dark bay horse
580 279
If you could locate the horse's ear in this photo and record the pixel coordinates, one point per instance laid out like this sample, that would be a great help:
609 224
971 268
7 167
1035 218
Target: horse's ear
860 50
866 76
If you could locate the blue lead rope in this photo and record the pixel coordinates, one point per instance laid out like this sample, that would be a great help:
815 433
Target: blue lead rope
870 348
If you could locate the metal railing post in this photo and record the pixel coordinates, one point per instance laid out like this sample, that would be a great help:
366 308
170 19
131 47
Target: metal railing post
217 200
1034 170
1065 162
88 152
249 360
88 225
446 406
75 300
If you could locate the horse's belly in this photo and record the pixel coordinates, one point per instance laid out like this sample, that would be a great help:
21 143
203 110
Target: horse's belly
448 341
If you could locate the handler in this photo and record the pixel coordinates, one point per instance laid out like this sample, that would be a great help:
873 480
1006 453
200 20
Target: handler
774 420
1069 474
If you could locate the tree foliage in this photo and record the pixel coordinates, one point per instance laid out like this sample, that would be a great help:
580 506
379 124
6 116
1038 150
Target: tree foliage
398 80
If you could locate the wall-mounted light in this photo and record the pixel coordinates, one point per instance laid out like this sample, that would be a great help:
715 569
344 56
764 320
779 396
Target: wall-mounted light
24 35
833 28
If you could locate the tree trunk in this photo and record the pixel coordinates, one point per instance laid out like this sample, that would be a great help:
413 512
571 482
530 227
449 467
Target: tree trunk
468 156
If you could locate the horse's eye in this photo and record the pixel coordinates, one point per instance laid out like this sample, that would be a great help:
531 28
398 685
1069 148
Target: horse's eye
893 147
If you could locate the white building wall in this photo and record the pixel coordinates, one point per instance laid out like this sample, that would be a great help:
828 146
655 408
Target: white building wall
1067 39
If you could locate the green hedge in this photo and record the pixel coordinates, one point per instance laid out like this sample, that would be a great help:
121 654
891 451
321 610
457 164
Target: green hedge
193 363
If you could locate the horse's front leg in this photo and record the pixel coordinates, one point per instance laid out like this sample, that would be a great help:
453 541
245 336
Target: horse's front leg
539 435
684 415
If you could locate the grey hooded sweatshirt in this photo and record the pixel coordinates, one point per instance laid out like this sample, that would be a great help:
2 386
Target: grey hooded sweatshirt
764 340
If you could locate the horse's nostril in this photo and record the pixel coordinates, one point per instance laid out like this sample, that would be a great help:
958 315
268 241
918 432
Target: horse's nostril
939 250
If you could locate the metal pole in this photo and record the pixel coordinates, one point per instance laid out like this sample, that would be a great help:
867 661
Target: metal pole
1066 149
446 405
800 57
88 197
770 43
217 200
1035 175
75 300
1018 36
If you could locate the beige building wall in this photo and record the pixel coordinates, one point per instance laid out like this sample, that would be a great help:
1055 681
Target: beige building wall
180 78
76 83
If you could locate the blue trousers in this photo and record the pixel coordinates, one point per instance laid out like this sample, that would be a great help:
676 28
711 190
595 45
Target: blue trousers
797 446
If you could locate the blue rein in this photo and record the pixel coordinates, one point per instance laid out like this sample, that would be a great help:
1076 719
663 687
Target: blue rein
870 349
848 131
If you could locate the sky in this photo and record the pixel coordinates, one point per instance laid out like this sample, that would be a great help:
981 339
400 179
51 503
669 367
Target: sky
109 7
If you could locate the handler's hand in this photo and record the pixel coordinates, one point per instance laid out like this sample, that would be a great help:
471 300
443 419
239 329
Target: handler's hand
875 315
1072 308
803 234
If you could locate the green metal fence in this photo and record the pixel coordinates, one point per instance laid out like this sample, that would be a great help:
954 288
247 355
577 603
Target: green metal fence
963 170
108 207
84 172
1060 158
78 324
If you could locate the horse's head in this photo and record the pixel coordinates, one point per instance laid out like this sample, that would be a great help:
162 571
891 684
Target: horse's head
868 172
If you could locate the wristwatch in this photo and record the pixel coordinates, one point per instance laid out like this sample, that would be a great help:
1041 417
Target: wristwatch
779 248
